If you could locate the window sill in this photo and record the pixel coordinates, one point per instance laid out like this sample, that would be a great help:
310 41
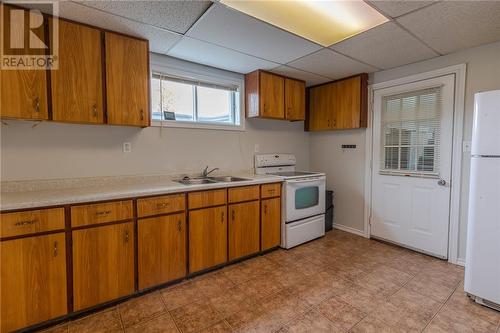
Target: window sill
191 125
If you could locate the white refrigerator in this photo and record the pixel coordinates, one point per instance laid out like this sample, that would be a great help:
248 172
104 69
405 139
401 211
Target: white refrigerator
482 268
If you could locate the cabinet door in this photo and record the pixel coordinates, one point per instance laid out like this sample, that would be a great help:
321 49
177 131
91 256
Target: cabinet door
243 229
271 223
321 107
33 280
161 249
347 103
23 92
207 238
272 96
103 264
295 99
127 80
77 84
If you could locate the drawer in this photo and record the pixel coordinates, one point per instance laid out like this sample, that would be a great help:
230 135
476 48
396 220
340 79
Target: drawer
101 213
161 205
207 198
32 221
244 193
270 190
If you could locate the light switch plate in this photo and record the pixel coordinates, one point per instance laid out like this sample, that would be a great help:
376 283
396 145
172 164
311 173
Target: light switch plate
466 146
256 148
127 147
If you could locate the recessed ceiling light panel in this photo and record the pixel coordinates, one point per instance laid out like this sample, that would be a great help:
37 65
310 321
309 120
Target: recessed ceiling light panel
325 22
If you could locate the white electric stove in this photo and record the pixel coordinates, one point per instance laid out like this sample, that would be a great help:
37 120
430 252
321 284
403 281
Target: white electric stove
303 198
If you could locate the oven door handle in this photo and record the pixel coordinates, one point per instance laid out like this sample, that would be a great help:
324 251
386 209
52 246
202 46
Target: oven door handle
303 180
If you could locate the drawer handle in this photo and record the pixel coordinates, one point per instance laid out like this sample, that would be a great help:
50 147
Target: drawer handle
103 213
271 190
126 236
56 250
162 205
26 222
179 226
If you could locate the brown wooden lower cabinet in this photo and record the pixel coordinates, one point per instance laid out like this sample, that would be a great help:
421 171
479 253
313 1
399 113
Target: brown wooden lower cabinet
271 223
207 238
33 280
161 249
243 229
103 264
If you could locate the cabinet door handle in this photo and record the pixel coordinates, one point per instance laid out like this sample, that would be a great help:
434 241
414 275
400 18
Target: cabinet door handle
56 250
222 217
126 236
142 114
36 104
94 110
179 225
232 214
265 209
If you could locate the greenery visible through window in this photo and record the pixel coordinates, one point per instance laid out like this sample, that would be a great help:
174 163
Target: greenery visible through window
183 100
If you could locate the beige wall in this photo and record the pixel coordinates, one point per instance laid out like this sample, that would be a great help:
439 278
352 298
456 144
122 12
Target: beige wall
54 150
483 73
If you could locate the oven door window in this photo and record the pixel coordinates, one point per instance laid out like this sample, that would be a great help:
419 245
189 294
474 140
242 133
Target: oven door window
306 197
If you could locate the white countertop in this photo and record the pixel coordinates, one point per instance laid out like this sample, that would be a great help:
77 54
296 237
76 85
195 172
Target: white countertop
21 195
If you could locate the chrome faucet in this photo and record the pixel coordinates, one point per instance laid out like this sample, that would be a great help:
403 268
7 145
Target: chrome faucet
205 171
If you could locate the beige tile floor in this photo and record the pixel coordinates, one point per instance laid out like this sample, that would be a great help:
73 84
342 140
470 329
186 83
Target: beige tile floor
339 283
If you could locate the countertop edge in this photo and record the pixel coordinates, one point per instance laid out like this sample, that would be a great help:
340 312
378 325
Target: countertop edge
94 197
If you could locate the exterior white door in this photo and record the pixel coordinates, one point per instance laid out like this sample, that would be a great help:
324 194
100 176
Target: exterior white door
411 170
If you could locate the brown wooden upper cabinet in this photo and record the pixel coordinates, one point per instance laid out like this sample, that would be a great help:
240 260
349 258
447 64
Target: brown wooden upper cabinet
338 105
274 96
127 80
23 92
77 94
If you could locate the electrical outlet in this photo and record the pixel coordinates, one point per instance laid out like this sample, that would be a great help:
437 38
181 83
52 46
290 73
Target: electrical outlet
466 146
256 148
127 147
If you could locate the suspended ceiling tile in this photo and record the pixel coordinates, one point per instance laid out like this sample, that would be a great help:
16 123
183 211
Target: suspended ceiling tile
177 16
237 31
331 64
450 26
385 46
397 8
160 40
217 56
310 78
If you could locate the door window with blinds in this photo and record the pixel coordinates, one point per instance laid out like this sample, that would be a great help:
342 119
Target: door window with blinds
180 100
411 125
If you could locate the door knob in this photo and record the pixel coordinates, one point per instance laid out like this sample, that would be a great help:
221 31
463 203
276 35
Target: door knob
442 182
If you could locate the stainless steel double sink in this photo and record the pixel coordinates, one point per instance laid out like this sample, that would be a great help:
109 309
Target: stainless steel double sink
209 180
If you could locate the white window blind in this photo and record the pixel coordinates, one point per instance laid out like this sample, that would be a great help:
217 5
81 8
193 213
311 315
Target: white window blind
411 124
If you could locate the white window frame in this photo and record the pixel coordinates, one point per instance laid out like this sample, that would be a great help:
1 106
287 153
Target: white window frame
195 72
